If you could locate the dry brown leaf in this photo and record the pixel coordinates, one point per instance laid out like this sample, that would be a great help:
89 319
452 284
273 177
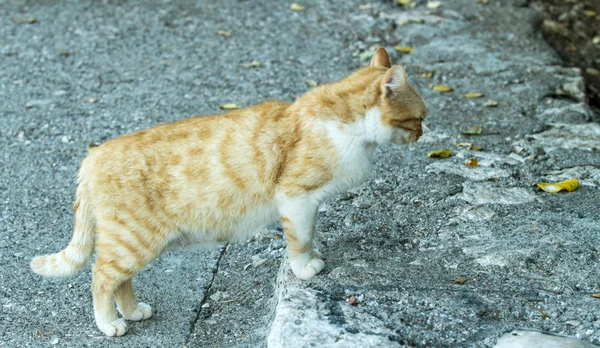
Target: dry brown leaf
297 7
473 95
439 153
441 88
471 162
229 106
351 300
404 49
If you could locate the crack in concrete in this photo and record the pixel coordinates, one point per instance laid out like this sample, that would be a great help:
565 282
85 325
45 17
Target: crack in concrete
216 270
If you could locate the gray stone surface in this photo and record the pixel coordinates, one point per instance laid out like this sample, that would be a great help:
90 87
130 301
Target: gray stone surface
89 71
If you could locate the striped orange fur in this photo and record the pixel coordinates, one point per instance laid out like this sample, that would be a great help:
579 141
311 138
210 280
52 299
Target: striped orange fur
218 178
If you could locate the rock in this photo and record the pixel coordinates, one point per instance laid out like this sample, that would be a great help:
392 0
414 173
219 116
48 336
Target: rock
569 136
489 193
571 113
528 339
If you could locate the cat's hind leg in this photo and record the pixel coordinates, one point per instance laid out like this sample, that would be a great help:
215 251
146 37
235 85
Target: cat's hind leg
298 216
127 306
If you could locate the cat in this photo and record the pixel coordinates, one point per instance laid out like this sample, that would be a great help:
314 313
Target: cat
217 178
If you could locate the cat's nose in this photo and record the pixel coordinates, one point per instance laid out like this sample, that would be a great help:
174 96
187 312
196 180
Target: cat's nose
418 132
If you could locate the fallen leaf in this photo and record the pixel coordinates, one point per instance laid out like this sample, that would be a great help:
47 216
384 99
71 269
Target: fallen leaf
404 2
404 49
439 153
428 74
482 1
568 185
351 300
589 13
460 280
252 64
572 48
554 27
472 130
441 88
433 4
596 40
311 83
471 162
476 148
229 106
224 33
91 146
544 314
470 146
30 20
491 103
297 7
592 71
64 53
596 295
365 7
90 100
464 144
473 95
366 54
412 20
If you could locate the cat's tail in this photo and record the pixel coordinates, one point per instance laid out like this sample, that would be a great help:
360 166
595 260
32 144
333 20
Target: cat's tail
81 247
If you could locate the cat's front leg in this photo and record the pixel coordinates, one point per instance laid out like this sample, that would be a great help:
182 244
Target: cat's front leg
298 216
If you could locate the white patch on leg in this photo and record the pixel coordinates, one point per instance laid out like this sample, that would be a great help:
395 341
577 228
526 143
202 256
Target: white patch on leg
114 328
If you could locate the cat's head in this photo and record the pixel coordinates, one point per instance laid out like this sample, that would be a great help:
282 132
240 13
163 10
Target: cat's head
401 108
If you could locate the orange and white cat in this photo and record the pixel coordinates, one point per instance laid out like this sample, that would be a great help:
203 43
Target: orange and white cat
217 178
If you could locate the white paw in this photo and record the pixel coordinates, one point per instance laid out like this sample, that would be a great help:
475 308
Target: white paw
309 270
114 328
143 311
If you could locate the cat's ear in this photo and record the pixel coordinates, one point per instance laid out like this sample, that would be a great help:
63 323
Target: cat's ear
380 58
394 80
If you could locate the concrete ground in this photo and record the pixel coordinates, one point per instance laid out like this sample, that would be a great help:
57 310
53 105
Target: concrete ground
74 73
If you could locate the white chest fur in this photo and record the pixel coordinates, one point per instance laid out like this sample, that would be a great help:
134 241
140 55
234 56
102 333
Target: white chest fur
355 144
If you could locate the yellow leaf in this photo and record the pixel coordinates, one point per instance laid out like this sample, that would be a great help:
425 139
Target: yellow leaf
433 4
404 49
252 64
440 88
596 40
404 2
229 106
471 162
568 185
311 83
464 144
475 148
472 130
460 280
589 13
428 74
297 7
482 1
473 95
596 295
439 153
